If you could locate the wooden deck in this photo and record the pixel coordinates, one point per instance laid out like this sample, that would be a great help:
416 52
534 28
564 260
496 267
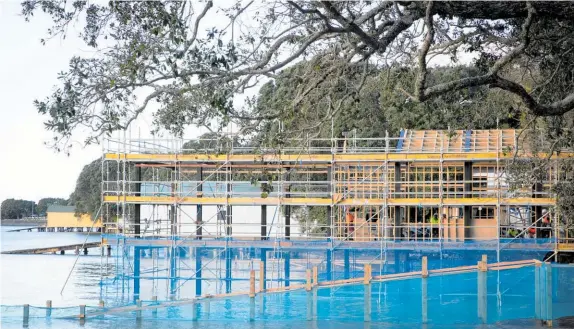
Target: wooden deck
49 250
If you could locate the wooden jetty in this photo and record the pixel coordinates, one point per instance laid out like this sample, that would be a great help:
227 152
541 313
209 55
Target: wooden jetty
56 249
29 229
44 228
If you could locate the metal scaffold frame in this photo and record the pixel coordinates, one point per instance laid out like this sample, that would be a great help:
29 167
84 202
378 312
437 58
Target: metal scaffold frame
164 205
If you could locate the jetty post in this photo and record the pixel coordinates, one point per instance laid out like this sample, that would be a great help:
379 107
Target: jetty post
315 287
309 296
424 289
139 310
26 314
154 310
48 308
82 315
548 306
252 295
367 300
482 289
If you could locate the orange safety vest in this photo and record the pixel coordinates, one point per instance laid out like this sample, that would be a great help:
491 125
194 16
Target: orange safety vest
350 218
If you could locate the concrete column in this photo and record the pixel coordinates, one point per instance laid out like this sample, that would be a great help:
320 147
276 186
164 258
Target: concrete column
229 212
228 256
537 210
396 231
173 218
330 208
198 267
263 222
287 258
199 213
287 207
137 206
172 271
228 221
347 265
263 275
329 265
467 194
173 208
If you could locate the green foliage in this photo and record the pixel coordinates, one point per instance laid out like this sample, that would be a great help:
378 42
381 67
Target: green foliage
88 192
378 104
212 142
192 71
17 209
44 203
312 220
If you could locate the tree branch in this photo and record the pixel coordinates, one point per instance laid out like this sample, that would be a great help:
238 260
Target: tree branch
488 78
422 76
189 42
351 26
557 108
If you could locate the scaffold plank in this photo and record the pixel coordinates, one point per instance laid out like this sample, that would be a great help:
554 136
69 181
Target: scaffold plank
316 158
250 201
566 247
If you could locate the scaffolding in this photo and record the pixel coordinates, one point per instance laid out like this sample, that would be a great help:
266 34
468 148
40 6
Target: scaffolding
190 216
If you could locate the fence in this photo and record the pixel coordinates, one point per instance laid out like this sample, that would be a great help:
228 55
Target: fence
482 293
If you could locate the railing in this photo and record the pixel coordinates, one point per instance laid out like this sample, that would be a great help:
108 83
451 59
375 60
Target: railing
454 231
438 143
348 189
312 284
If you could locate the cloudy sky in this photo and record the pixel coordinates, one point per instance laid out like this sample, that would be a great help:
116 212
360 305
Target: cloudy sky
30 170
28 71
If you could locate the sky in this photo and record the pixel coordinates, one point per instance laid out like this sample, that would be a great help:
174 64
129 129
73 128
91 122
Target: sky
29 169
28 70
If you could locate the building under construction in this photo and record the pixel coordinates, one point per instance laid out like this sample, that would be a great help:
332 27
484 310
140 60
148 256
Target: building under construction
189 218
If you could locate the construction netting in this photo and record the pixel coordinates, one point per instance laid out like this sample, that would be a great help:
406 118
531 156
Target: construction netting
464 296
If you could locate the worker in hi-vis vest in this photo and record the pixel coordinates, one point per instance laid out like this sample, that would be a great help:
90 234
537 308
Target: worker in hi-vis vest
434 225
350 224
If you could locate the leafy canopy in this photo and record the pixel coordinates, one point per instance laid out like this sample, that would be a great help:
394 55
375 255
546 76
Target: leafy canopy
192 60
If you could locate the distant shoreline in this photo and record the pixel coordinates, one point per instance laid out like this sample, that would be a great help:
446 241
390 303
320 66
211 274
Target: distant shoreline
23 222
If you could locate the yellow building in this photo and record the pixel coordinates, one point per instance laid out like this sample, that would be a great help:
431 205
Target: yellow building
63 218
